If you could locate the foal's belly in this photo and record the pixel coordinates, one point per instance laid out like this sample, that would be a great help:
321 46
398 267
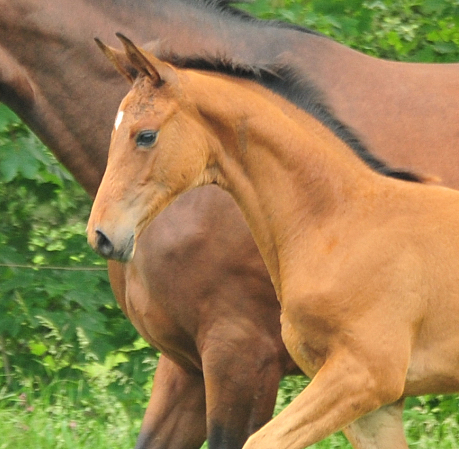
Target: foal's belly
433 371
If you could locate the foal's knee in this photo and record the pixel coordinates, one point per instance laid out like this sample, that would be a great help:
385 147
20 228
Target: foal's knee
383 386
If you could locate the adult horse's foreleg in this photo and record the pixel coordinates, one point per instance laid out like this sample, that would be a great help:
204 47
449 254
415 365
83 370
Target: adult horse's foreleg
176 413
381 429
241 389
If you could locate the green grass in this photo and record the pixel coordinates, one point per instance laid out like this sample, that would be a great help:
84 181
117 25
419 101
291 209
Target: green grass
60 416
46 429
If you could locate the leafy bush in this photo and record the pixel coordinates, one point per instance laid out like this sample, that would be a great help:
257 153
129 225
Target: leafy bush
403 30
57 312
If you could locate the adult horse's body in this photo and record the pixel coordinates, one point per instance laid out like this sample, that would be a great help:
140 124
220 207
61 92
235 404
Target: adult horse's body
197 288
364 266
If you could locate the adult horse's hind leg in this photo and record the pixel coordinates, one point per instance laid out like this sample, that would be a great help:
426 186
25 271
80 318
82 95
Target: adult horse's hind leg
381 429
176 413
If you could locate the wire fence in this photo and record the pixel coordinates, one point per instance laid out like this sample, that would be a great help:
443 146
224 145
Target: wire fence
49 267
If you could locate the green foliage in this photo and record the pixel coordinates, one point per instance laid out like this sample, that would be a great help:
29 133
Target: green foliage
409 30
57 312
433 419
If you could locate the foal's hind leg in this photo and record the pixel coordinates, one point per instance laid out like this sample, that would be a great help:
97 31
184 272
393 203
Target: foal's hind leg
381 429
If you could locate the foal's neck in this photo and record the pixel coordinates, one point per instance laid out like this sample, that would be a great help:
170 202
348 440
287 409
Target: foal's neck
289 174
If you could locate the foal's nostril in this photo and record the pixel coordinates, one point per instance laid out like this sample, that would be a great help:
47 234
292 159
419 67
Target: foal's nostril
104 245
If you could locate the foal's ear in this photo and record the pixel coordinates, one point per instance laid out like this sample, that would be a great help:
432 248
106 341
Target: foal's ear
158 71
119 60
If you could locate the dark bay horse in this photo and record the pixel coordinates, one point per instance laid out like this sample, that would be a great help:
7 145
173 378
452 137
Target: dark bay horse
197 288
365 266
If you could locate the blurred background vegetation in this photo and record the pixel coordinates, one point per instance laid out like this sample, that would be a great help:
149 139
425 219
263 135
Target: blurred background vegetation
71 364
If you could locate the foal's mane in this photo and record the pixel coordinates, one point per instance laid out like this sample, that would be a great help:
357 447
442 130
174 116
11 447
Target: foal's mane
283 80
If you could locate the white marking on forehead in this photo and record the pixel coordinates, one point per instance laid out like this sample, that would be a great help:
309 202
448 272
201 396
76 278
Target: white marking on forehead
119 119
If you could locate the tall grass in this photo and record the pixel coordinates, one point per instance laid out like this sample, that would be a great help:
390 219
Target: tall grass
62 415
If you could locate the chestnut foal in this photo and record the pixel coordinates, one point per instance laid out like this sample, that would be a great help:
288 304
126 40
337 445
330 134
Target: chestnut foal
364 265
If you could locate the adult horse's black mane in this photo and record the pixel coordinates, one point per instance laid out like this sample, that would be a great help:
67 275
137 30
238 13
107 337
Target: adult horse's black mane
226 7
283 80
223 8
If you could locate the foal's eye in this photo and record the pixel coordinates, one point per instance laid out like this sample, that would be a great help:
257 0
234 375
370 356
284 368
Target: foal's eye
146 139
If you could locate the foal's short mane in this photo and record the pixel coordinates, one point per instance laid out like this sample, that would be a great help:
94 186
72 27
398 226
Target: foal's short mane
283 80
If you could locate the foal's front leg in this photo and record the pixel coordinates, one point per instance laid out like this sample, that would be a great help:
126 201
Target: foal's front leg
342 391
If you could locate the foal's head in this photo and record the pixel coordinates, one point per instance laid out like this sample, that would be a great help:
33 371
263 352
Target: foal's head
159 148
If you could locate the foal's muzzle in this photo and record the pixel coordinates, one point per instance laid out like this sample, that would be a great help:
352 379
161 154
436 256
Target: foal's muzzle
104 246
